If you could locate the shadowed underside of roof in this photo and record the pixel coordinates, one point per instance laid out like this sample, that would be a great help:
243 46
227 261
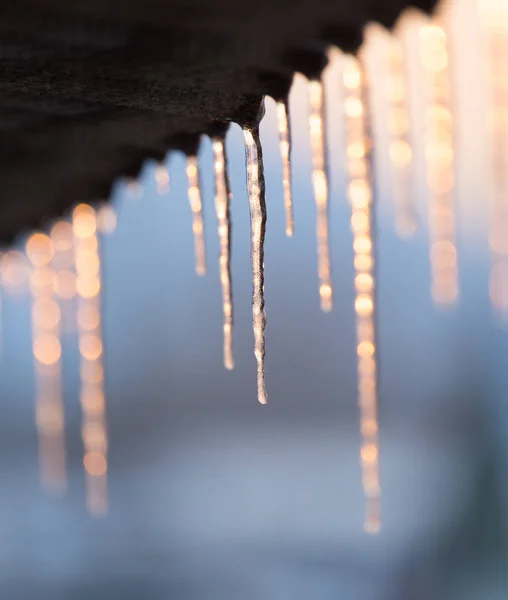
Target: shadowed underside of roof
89 90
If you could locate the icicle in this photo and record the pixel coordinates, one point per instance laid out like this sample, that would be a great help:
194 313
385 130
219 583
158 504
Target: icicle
494 15
107 219
400 151
194 193
162 179
257 203
222 200
133 188
94 433
47 353
361 199
15 271
317 126
1 310
439 155
64 278
284 126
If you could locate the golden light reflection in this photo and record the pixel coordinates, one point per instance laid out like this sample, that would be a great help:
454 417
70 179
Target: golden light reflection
439 159
196 204
317 129
222 200
361 199
39 250
257 204
400 151
88 285
284 128
47 352
494 18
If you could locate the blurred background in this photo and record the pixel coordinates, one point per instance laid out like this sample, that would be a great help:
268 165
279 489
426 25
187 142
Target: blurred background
212 495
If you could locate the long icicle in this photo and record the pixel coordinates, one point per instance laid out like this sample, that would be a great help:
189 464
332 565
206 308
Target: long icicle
1 311
284 127
47 351
196 204
222 200
400 151
361 198
317 127
439 154
92 395
257 204
494 15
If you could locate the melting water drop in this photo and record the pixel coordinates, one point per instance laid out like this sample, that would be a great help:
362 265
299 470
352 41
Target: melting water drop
400 151
439 157
198 229
495 22
317 127
222 200
361 198
284 127
88 268
162 179
47 353
257 204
